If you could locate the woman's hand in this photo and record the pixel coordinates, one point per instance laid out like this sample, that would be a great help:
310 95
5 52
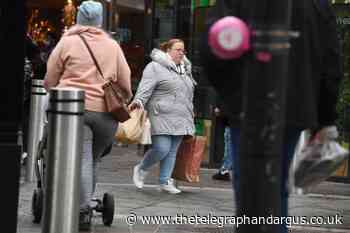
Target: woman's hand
133 106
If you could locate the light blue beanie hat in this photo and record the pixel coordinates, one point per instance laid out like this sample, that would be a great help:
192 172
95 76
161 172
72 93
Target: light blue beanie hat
90 13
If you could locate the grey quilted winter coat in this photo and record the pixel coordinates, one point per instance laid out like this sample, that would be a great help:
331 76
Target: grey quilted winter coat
166 92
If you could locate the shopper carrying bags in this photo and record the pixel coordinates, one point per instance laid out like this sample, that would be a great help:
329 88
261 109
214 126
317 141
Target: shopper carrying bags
166 92
71 65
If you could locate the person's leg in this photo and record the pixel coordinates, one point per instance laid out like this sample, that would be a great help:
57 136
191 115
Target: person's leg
86 170
290 142
161 145
228 158
95 167
104 128
167 164
235 162
86 181
99 130
226 166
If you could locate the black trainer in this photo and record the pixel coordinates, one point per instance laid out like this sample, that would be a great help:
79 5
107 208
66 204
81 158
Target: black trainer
222 175
85 217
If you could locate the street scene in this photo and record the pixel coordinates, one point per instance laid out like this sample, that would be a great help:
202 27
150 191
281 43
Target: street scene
164 116
207 197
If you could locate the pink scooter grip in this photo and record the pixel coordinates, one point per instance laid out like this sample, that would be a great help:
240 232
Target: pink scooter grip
229 38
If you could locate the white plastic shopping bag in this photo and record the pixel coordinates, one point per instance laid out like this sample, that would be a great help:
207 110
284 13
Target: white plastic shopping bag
146 138
318 158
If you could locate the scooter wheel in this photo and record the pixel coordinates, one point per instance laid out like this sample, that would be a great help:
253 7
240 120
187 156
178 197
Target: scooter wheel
108 209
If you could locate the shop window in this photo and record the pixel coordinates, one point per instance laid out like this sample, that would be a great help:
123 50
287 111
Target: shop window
342 11
129 31
164 21
204 96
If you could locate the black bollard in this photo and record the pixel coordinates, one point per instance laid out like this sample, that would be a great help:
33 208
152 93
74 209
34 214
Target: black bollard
263 113
11 102
257 79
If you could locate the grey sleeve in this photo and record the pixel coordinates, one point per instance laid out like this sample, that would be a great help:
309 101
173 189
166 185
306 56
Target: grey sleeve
147 84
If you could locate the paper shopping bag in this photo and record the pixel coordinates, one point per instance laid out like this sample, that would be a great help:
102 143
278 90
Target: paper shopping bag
130 131
188 159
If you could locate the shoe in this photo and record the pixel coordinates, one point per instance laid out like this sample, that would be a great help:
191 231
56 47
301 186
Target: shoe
170 187
139 176
222 175
85 217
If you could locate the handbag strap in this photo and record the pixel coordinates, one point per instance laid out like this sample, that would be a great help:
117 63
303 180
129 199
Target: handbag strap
92 55
99 69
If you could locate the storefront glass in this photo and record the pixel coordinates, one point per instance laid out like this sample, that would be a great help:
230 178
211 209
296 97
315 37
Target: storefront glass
342 10
164 21
128 26
205 96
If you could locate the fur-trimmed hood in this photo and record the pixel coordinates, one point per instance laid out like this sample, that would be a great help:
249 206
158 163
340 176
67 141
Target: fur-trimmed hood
165 60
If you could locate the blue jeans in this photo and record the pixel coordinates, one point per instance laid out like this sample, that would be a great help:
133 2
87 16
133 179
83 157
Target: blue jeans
163 150
291 139
228 156
235 162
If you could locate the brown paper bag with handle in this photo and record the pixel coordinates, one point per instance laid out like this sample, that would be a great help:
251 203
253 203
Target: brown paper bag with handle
188 159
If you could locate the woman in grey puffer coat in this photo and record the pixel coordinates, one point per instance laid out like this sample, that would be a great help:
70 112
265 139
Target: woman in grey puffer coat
166 92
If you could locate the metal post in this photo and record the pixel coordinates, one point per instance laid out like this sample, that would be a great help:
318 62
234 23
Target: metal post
264 95
65 138
36 125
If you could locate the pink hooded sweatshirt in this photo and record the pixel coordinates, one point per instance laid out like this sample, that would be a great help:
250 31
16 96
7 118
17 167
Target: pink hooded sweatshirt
70 65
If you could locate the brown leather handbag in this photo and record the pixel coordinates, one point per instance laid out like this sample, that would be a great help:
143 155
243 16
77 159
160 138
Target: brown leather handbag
115 101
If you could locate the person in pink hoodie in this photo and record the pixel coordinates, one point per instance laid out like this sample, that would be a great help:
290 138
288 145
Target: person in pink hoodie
71 65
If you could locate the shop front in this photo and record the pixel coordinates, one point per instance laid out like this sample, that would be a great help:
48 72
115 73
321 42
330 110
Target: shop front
342 11
139 26
185 19
123 19
143 28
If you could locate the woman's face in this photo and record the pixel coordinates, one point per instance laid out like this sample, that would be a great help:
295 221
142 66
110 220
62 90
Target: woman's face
177 52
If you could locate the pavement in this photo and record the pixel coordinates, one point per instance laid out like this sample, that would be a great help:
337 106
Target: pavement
208 199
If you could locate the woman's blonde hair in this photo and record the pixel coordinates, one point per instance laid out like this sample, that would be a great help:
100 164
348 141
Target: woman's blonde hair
169 44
